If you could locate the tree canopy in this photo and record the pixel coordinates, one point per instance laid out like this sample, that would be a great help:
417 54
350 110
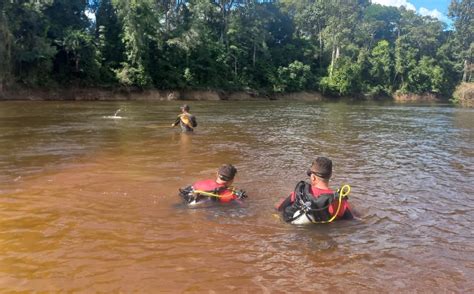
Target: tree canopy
339 47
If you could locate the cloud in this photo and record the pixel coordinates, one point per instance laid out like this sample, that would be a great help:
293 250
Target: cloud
433 13
90 15
422 11
396 3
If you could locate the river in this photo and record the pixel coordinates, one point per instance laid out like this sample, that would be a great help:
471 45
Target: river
88 201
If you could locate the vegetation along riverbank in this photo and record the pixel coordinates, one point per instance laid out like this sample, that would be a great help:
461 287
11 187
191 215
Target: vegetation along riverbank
123 94
246 49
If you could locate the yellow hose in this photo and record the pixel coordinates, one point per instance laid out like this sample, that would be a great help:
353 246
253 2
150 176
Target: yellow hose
343 192
232 189
206 193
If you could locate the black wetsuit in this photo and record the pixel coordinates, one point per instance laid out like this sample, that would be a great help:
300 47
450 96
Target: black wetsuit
186 127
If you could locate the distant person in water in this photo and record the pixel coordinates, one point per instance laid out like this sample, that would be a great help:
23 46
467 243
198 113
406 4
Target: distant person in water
186 120
217 190
315 201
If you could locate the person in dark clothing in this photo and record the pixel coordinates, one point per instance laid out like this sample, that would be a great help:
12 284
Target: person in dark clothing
186 120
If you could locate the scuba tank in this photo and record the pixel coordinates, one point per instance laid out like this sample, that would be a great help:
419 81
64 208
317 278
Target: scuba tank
308 209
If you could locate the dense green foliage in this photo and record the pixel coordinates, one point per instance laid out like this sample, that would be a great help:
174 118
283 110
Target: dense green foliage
338 47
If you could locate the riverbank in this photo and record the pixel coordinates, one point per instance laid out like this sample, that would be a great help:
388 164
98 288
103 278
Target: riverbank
124 94
464 94
427 97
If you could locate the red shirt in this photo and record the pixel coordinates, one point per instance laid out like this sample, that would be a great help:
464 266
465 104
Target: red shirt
225 194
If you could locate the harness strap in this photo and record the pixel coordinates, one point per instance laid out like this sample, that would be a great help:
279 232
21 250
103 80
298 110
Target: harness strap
185 119
341 193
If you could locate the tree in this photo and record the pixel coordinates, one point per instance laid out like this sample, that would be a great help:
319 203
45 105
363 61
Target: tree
462 13
293 77
5 48
381 67
379 23
426 77
141 33
31 50
310 19
70 30
343 18
108 30
345 79
344 47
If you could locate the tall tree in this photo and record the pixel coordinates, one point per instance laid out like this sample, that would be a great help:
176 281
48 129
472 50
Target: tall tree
310 18
68 28
381 67
343 18
462 13
32 51
141 33
108 31
5 47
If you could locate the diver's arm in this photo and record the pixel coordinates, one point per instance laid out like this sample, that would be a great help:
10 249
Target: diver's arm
354 212
284 203
176 122
350 212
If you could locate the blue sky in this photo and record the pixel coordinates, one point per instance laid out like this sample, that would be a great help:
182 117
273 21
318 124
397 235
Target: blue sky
435 8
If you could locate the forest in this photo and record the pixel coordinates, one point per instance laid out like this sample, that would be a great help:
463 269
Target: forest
336 47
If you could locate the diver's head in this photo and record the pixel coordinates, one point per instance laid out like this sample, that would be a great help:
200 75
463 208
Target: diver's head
226 174
321 169
185 108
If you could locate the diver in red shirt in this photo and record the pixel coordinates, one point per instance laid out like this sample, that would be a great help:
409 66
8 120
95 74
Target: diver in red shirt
218 190
316 202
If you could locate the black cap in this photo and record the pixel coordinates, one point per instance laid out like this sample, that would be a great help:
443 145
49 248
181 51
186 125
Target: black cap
227 172
185 107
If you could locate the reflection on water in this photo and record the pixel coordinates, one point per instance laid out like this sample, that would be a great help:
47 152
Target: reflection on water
90 204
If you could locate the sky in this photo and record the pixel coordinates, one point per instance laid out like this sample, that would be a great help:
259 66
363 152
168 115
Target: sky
434 8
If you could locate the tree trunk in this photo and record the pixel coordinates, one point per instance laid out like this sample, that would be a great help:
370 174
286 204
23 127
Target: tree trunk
334 58
235 65
465 72
333 55
320 48
254 54
77 59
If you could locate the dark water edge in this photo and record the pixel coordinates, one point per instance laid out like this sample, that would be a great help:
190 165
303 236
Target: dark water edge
134 94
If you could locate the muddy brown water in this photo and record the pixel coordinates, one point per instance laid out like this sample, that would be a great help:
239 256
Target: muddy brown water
88 202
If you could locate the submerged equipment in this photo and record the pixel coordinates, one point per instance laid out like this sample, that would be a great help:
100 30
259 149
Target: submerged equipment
308 209
193 197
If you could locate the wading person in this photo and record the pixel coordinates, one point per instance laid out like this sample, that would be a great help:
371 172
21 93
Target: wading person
217 190
186 120
316 202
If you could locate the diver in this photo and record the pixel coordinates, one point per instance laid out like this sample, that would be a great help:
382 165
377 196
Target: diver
186 120
315 202
218 190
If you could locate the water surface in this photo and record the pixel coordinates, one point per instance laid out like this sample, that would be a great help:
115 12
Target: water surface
88 201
